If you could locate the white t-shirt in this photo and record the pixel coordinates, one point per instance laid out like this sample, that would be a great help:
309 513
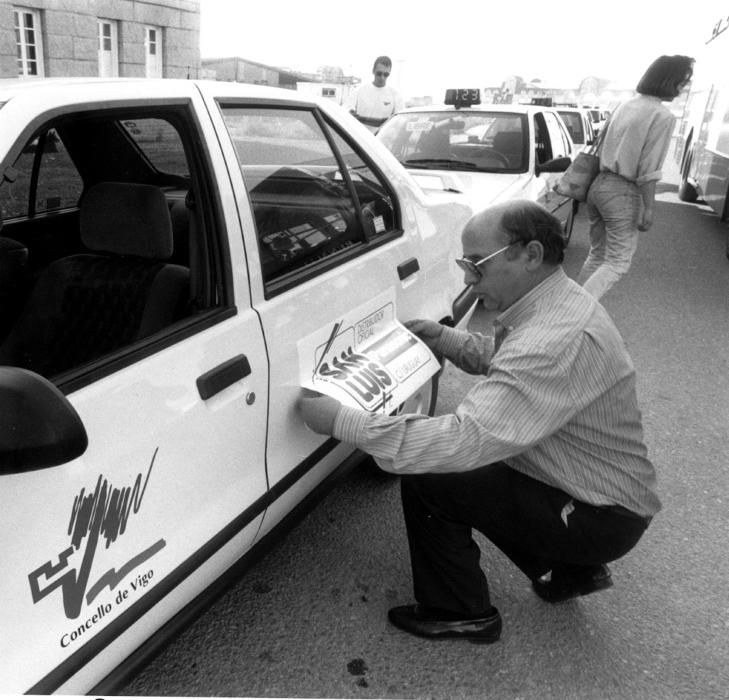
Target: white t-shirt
376 103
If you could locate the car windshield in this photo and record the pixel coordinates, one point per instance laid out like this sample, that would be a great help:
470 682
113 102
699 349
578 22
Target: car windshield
475 141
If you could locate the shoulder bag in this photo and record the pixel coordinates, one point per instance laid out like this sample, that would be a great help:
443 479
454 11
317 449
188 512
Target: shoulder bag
576 180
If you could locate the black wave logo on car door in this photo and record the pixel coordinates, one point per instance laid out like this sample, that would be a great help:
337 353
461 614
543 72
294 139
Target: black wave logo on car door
99 515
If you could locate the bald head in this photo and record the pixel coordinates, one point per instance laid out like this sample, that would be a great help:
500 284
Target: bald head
521 221
514 246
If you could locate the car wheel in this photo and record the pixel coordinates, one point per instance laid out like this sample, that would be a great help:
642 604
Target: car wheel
686 191
570 223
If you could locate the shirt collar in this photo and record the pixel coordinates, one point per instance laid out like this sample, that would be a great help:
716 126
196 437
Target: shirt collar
523 307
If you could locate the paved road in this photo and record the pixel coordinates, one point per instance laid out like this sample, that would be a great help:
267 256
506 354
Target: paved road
310 619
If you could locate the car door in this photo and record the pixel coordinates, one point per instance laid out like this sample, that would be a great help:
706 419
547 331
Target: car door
324 233
552 141
102 550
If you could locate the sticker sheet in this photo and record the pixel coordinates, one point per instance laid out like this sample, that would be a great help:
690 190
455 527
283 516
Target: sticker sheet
367 359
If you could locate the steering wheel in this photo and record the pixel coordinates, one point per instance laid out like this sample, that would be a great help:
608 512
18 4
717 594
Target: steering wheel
495 155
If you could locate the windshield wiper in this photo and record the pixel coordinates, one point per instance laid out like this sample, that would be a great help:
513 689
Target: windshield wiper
449 163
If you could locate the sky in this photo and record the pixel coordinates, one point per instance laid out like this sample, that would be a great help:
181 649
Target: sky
467 43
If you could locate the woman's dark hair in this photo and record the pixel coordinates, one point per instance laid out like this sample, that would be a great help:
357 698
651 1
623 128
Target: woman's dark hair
527 221
665 76
384 60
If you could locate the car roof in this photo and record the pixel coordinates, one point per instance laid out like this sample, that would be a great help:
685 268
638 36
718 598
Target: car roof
102 88
507 108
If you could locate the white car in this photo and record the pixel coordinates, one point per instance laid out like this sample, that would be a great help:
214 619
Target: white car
598 117
166 248
489 153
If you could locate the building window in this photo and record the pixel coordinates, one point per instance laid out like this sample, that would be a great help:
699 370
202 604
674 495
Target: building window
28 42
153 51
328 92
108 49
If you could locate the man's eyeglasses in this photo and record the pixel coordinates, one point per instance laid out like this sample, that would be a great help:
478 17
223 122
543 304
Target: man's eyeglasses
382 74
472 266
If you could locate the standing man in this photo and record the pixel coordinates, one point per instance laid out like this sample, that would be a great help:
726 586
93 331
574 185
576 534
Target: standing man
544 456
375 102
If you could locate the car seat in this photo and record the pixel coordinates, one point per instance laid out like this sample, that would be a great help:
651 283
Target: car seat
89 304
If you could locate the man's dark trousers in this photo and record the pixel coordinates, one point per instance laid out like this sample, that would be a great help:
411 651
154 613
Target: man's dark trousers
537 526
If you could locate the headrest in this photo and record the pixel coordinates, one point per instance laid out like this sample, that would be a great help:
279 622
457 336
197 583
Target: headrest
126 219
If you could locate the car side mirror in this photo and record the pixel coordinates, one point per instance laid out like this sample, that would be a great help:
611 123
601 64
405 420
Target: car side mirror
39 427
556 165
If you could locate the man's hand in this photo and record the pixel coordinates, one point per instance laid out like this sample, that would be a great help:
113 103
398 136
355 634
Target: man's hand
318 411
427 331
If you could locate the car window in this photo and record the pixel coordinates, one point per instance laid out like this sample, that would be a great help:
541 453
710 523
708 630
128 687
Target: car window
103 248
160 143
57 186
573 122
467 140
542 145
315 199
560 145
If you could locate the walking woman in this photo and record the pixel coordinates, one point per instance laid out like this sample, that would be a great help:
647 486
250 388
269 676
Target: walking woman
620 200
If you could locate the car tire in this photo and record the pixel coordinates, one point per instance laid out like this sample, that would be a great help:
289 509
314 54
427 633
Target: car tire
686 191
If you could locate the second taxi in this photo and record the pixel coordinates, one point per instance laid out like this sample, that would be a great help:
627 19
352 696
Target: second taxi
490 153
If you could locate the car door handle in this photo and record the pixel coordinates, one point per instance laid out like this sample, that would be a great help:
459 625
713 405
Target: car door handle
407 268
222 376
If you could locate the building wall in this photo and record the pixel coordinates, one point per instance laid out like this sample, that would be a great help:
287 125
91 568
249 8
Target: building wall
69 32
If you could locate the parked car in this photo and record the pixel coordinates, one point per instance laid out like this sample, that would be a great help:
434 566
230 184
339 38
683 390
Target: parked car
165 245
598 117
579 126
489 153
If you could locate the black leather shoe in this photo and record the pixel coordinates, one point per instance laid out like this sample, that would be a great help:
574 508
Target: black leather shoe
556 587
439 624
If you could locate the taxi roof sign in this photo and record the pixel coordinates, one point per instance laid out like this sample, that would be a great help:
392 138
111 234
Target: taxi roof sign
463 97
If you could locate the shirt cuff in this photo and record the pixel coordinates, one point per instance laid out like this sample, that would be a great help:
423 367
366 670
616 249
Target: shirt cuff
649 177
348 424
450 341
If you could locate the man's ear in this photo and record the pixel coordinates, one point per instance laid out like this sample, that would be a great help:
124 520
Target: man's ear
535 255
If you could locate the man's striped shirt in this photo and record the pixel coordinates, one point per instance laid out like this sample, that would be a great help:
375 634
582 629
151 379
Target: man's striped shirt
558 403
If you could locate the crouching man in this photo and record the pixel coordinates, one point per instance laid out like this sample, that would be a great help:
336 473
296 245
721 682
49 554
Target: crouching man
544 456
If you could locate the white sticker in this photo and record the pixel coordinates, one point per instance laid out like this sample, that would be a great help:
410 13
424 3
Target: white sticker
421 125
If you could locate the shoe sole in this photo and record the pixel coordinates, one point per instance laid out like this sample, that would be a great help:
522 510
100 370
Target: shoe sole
474 638
466 638
587 589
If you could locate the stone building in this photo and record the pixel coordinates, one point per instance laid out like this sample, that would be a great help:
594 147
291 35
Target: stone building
109 38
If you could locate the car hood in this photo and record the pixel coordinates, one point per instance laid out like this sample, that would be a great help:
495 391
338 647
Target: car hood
480 189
